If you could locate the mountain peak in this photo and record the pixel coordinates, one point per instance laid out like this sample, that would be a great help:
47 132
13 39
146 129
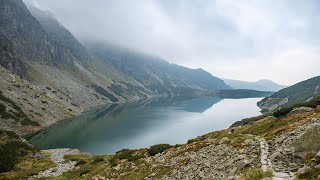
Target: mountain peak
260 85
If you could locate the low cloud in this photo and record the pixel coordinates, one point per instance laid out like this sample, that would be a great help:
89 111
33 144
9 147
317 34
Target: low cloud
238 39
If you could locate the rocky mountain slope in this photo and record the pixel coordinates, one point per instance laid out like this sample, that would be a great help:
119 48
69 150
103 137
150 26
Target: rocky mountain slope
155 73
46 63
300 92
261 85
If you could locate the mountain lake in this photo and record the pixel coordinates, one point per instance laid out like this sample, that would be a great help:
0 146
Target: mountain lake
140 124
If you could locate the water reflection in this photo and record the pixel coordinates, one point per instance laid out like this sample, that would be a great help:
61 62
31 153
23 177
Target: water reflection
144 123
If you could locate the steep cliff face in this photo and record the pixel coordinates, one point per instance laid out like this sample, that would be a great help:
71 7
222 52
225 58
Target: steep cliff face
28 37
10 59
59 33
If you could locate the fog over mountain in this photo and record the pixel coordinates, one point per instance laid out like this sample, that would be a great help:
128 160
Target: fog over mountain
234 39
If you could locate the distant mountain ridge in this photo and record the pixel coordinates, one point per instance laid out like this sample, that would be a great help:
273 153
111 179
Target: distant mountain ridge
300 92
261 85
240 93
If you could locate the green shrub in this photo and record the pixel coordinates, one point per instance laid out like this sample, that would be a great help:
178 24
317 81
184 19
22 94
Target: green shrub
98 159
84 172
159 148
313 103
282 112
124 154
10 153
191 141
257 174
80 162
135 157
312 173
199 138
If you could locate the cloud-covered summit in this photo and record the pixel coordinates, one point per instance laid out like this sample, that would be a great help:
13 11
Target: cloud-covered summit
237 39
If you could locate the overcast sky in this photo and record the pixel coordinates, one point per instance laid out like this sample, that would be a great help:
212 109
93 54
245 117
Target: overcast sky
237 39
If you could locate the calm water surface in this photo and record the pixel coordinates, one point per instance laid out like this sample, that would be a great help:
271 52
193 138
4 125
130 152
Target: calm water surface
145 123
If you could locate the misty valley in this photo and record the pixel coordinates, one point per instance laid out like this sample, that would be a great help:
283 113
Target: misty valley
159 90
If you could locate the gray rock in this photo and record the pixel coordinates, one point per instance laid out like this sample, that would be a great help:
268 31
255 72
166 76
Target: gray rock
248 142
240 165
223 140
117 167
233 171
276 156
303 169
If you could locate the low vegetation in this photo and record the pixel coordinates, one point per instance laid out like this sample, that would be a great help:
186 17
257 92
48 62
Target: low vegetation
16 158
125 154
15 113
250 120
11 148
257 174
313 103
159 148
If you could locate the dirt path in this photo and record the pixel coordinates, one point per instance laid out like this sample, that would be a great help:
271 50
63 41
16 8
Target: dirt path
57 156
267 165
